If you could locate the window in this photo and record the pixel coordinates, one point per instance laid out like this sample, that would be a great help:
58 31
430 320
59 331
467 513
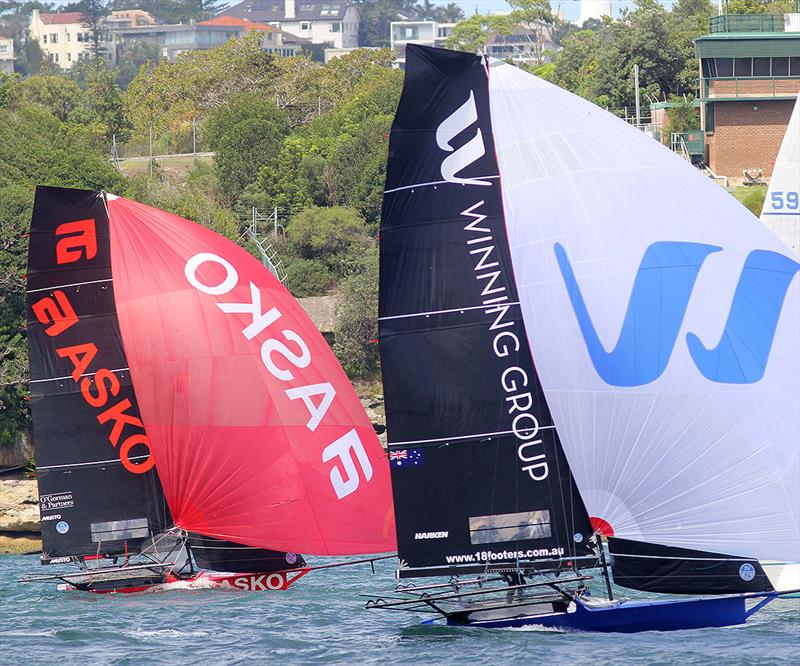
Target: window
69 57
709 68
44 39
760 66
336 27
68 37
305 25
724 67
780 67
743 67
794 66
54 38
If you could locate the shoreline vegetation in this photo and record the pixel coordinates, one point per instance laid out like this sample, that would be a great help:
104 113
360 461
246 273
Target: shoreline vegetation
303 142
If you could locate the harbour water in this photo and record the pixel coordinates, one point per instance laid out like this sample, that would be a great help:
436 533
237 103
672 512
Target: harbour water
322 620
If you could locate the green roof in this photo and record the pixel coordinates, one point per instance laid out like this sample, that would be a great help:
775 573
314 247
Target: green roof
748 44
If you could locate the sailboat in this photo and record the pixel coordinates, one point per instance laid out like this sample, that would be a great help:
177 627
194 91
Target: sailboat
187 413
605 373
781 211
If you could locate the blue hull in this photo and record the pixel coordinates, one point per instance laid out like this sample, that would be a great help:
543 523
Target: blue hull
634 616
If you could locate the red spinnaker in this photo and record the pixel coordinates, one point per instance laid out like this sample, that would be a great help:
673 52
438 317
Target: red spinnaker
258 436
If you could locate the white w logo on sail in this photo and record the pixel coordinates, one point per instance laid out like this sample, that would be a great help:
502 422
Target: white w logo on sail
470 152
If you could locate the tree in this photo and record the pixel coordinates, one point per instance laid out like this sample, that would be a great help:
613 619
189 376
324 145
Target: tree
133 56
104 104
472 34
245 135
427 11
57 93
170 96
760 6
35 147
450 13
94 14
357 322
332 235
376 15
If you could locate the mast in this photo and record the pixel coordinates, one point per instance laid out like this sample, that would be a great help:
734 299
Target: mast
479 478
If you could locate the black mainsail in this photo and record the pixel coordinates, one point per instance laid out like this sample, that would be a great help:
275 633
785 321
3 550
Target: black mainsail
93 501
478 473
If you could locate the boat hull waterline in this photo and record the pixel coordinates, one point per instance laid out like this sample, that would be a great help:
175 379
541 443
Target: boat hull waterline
203 580
632 616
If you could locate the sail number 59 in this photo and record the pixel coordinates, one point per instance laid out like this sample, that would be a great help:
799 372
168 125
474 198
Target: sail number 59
787 200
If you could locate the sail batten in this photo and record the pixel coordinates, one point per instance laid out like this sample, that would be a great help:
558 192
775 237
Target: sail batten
259 435
478 474
99 491
664 324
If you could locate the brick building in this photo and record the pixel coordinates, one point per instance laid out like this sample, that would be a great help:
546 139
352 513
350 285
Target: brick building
750 77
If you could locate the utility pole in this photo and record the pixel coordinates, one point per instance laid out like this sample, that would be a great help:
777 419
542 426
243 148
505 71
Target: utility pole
151 152
636 88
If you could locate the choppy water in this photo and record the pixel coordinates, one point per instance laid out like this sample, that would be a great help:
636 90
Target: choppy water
322 620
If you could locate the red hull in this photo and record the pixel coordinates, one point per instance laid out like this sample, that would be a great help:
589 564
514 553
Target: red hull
205 580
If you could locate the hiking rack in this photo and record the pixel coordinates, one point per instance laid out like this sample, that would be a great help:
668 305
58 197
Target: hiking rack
426 602
92 573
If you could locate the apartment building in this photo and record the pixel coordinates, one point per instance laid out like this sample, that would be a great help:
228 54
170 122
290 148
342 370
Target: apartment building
65 39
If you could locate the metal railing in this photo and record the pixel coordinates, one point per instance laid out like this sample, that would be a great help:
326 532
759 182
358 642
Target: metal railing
748 23
750 87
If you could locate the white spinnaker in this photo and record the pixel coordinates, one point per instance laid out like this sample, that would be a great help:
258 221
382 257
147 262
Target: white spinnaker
680 460
781 211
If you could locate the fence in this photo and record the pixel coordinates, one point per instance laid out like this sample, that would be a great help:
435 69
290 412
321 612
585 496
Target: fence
162 144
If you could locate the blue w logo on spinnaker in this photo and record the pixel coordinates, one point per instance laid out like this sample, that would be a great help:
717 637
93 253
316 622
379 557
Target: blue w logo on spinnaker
661 291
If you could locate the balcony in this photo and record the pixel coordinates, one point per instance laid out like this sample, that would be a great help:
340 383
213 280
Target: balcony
753 88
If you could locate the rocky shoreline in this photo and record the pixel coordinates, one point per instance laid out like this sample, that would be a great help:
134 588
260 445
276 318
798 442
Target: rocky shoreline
19 516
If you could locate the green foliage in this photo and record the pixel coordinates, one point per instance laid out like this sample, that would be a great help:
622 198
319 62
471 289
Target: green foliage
597 64
760 6
245 135
308 277
683 116
357 321
752 198
334 236
199 199
472 34
133 56
58 94
169 96
376 15
36 147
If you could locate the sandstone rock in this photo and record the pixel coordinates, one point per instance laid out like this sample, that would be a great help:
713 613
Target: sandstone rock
19 505
19 544
16 452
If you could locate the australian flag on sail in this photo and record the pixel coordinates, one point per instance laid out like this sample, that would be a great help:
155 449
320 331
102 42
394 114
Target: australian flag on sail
407 458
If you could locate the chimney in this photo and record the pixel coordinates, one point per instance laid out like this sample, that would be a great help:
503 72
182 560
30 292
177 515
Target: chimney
288 9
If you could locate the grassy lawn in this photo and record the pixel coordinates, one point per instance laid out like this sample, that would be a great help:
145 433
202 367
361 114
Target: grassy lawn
174 166
752 197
